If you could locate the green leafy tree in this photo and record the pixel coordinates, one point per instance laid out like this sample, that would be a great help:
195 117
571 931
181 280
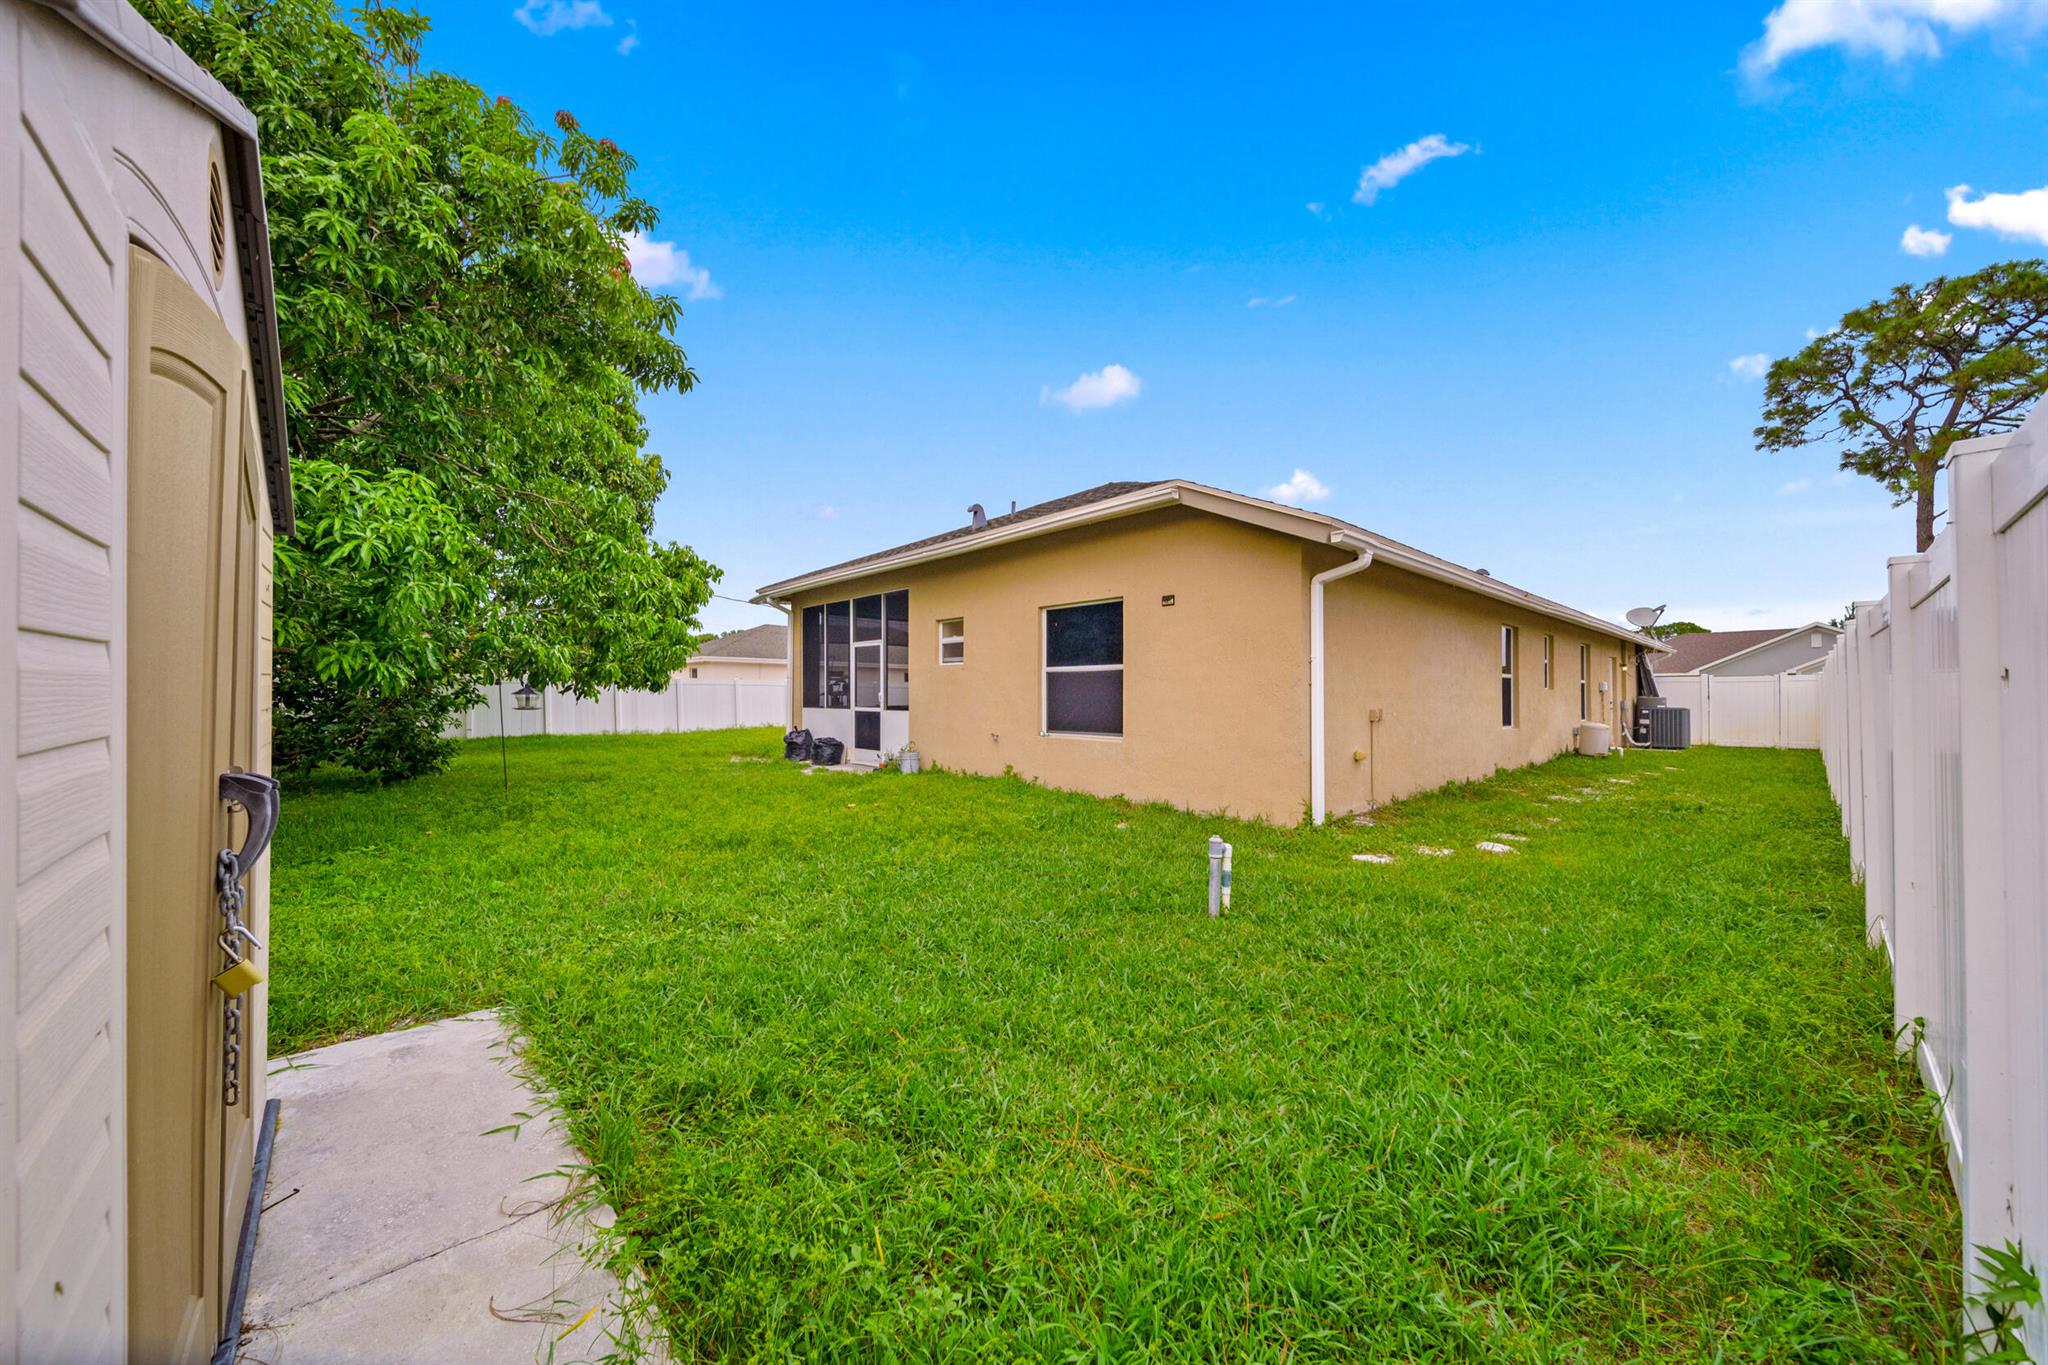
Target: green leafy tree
1671 628
1907 376
464 350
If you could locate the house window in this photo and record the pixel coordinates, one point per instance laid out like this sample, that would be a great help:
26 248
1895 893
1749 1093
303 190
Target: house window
693 672
953 641
1507 675
1585 672
1549 649
1816 640
1084 669
896 651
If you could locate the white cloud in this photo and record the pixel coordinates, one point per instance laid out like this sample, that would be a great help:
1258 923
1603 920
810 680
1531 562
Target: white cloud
827 512
1261 301
2009 215
1896 30
656 264
549 17
1795 487
1391 169
1303 487
1319 209
1750 366
632 38
1920 241
1105 388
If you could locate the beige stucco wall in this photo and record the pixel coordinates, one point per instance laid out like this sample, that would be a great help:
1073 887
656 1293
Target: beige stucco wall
1215 686
703 669
1427 656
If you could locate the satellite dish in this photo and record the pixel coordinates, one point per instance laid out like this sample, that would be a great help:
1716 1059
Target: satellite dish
1642 618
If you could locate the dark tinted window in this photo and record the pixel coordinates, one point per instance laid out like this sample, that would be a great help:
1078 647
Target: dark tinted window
1086 703
1080 636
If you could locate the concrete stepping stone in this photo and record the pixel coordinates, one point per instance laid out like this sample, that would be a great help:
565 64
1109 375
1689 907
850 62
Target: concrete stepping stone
1426 851
1488 846
1372 858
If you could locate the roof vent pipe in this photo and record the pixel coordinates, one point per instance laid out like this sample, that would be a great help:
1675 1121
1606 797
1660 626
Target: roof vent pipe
976 518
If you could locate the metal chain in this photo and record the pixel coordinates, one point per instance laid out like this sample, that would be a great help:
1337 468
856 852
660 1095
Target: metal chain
228 893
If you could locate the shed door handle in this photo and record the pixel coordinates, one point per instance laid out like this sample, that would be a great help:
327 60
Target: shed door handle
257 794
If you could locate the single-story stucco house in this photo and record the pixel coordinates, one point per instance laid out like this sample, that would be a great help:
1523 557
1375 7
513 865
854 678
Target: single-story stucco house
1168 641
1749 653
755 654
144 464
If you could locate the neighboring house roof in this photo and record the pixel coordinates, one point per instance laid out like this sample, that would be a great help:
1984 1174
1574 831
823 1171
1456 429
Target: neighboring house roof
755 644
1109 500
116 26
1691 653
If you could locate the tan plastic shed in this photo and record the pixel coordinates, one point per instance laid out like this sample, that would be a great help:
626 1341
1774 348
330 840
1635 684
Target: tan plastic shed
142 457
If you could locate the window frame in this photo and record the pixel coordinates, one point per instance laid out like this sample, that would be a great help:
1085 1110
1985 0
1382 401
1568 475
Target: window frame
1549 660
1045 670
1585 676
959 639
1510 700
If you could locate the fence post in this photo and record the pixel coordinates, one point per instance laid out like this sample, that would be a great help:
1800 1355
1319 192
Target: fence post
1911 920
1987 1193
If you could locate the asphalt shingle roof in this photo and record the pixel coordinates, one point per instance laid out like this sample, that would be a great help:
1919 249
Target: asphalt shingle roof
1692 652
755 642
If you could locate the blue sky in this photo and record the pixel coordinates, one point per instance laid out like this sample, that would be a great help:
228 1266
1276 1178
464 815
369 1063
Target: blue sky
904 233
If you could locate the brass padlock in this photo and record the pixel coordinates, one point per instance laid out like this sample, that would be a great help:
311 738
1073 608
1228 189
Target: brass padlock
239 978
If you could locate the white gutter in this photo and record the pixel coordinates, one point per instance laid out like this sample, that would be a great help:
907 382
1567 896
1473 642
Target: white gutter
1317 760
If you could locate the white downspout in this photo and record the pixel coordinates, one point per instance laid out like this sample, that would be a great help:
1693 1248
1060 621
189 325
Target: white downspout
794 719
1317 762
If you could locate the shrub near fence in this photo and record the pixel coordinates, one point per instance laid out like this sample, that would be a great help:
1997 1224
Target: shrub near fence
1935 736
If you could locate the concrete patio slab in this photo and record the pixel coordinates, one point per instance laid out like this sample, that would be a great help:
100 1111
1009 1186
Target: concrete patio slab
415 1211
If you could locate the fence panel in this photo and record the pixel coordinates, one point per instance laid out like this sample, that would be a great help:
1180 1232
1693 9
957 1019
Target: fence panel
1798 711
1743 712
1771 711
686 705
1932 719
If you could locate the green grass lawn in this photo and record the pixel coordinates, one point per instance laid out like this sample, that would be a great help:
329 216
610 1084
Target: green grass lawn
885 1067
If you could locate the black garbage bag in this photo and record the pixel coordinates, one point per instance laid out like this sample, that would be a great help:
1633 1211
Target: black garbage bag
796 746
827 751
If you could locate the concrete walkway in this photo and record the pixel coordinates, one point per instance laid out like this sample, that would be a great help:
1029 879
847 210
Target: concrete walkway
400 1227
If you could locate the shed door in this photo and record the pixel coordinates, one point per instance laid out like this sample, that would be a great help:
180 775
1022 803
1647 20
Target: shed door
193 540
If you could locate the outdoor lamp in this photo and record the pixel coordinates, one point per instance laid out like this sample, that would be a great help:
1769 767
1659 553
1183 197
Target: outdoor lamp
526 698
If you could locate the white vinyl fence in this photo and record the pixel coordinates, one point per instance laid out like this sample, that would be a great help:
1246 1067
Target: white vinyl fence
687 705
1775 711
1935 734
